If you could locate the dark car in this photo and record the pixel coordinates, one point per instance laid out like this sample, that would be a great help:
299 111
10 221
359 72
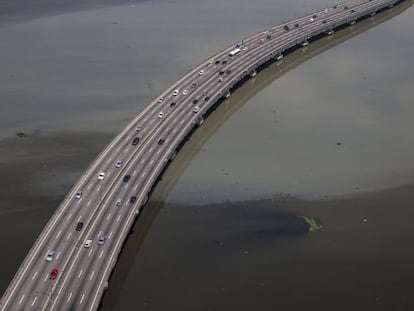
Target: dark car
79 226
161 141
268 37
324 22
126 178
206 98
221 72
53 274
315 16
133 199
286 27
135 141
195 101
172 105
224 62
228 71
193 85
217 62
296 25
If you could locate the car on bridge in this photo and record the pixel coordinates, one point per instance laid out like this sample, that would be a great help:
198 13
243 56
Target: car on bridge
185 92
118 202
53 274
133 199
161 141
126 178
161 114
118 164
135 141
101 176
79 226
50 255
176 92
102 240
173 104
78 194
196 109
87 244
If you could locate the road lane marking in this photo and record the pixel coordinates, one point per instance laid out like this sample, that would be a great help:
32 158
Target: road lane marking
34 301
175 131
78 201
152 148
109 215
119 216
34 275
70 215
175 120
109 236
21 299
119 148
100 233
69 235
135 188
83 297
90 252
133 174
126 150
57 235
126 186
99 188
80 273
100 256
45 279
57 256
89 186
79 218
70 296
158 152
143 174
152 121
142 161
93 272
89 202
152 161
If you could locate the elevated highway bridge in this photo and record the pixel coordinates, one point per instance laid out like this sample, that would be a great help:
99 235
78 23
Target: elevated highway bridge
89 228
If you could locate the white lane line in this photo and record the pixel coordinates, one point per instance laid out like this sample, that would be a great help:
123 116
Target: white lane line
45 279
57 235
90 252
34 301
119 148
89 186
126 150
152 161
119 216
83 297
175 131
109 215
80 273
109 174
93 272
109 236
110 159
100 255
70 296
142 161
69 235
135 188
143 174
57 256
21 299
79 218
89 202
133 174
99 188
70 215
152 121
175 120
100 233
78 201
126 186
34 275
182 121
158 152
152 148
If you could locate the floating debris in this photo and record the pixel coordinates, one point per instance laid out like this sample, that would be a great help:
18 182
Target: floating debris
314 223
21 134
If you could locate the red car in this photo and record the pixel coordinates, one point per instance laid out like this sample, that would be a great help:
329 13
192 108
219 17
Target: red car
53 274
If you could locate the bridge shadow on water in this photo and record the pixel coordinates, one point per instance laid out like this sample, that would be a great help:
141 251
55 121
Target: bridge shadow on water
218 116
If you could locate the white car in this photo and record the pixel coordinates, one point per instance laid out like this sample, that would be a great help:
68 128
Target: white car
118 164
78 194
161 114
176 92
196 109
220 79
185 92
311 19
101 175
88 243
50 254
160 100
201 72
118 202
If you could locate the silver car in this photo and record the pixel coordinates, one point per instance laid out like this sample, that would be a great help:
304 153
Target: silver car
102 239
118 202
50 255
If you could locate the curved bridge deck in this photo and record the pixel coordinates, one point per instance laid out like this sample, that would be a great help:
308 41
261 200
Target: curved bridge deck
117 184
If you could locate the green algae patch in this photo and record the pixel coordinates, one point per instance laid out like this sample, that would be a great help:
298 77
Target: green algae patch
314 223
21 134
